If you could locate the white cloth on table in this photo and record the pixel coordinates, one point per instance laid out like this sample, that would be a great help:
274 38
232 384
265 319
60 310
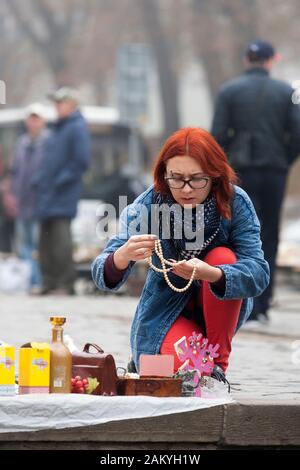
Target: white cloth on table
54 411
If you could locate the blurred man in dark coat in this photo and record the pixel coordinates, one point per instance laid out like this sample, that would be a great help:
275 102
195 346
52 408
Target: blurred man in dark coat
258 125
59 185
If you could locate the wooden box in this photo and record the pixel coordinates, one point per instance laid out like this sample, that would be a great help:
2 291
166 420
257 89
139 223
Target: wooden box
151 386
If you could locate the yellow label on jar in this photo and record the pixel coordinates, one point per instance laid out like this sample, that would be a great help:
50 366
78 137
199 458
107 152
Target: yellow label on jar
7 365
34 365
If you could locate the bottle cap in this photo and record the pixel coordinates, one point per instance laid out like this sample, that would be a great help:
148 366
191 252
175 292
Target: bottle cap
58 321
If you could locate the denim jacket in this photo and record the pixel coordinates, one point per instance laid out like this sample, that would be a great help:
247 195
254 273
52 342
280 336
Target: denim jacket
159 306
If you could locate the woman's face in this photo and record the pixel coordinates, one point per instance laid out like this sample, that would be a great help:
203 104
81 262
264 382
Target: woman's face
185 168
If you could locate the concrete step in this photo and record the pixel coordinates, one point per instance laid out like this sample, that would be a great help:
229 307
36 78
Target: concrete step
243 424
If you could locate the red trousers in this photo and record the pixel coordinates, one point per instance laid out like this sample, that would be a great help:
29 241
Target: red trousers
220 316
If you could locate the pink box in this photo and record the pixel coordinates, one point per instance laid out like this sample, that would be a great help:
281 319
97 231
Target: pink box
156 365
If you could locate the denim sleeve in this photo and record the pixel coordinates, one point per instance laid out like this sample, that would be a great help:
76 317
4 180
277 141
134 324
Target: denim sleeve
134 219
250 275
113 244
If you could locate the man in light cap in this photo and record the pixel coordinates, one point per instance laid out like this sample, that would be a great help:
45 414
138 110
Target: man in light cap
66 101
258 125
67 158
28 158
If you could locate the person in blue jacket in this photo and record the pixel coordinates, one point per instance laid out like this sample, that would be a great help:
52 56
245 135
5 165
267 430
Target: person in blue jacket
222 265
59 184
28 158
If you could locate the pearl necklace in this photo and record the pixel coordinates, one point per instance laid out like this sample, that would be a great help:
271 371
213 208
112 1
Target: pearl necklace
165 270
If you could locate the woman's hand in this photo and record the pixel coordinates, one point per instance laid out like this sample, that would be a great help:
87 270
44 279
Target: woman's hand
204 271
138 247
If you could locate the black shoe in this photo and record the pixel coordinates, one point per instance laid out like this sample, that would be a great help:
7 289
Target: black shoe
131 367
219 375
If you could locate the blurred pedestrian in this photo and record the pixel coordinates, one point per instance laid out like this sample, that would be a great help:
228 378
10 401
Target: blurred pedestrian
256 122
28 157
59 187
8 209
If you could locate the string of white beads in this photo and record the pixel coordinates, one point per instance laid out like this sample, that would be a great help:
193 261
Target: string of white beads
165 270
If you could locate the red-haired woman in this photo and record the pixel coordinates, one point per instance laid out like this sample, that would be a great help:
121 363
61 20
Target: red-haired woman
227 267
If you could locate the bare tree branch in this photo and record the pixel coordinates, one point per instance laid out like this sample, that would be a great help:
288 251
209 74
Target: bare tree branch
53 47
221 31
12 4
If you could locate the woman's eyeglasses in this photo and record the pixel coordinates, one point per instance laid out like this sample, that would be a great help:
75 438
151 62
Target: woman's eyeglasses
194 183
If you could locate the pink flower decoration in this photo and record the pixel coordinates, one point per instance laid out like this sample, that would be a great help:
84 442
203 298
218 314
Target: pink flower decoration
196 354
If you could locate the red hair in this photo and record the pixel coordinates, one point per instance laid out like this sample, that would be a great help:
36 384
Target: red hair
200 145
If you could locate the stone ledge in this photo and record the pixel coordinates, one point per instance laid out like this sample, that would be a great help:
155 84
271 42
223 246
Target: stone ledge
262 423
259 423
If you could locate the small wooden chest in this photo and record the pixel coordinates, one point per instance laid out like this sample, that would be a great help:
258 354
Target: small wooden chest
151 386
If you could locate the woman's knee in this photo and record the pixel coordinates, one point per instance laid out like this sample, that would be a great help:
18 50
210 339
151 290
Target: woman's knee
220 255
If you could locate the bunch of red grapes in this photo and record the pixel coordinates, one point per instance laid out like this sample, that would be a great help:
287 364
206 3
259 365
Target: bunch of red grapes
79 385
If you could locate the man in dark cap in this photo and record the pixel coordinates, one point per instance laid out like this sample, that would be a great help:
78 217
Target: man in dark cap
258 125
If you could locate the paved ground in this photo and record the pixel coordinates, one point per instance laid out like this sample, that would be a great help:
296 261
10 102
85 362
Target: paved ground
264 364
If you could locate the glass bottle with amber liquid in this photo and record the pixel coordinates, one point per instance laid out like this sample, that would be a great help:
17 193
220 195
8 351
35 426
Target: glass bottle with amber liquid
60 359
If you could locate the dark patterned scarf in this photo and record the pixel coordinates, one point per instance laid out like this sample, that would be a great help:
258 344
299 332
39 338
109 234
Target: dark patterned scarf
211 222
